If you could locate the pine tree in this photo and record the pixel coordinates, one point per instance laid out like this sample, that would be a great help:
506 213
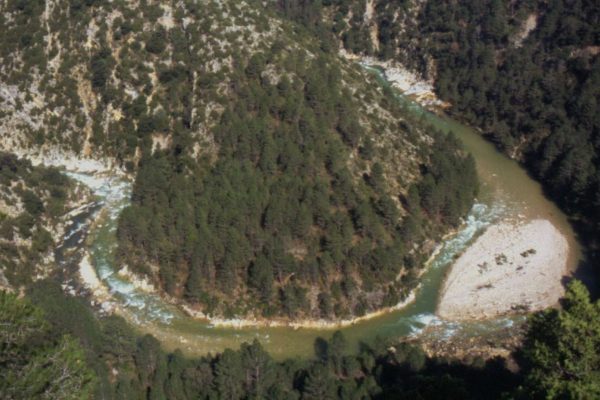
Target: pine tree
560 354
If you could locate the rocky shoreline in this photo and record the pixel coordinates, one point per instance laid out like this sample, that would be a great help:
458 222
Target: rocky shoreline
404 80
511 268
469 347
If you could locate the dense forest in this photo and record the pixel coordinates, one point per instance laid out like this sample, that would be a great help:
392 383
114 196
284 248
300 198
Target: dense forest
272 177
278 220
537 100
275 179
53 346
526 72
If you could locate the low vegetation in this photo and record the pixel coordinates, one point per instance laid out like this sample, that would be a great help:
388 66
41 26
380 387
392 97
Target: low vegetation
35 361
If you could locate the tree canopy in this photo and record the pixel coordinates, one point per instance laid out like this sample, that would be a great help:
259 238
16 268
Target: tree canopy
34 362
561 354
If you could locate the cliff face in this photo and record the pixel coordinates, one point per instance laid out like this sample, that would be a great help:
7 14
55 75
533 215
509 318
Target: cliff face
273 176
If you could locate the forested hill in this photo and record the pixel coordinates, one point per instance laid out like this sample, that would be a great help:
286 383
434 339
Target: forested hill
273 178
526 72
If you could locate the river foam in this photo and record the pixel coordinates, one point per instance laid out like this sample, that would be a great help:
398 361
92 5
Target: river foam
97 268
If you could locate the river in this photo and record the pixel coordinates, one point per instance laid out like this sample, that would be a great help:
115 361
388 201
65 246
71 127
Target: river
507 193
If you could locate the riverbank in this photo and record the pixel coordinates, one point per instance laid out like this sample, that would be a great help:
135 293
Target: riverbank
295 324
102 297
511 268
404 80
101 291
321 324
101 294
502 342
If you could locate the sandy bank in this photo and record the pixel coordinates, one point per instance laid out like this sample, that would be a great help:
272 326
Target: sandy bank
510 268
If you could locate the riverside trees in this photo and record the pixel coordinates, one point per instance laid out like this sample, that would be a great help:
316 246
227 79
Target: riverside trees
536 99
279 214
560 354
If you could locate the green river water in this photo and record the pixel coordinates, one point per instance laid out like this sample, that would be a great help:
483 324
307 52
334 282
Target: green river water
507 193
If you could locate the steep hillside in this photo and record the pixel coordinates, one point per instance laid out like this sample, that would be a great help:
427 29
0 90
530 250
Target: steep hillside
526 72
273 177
34 202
